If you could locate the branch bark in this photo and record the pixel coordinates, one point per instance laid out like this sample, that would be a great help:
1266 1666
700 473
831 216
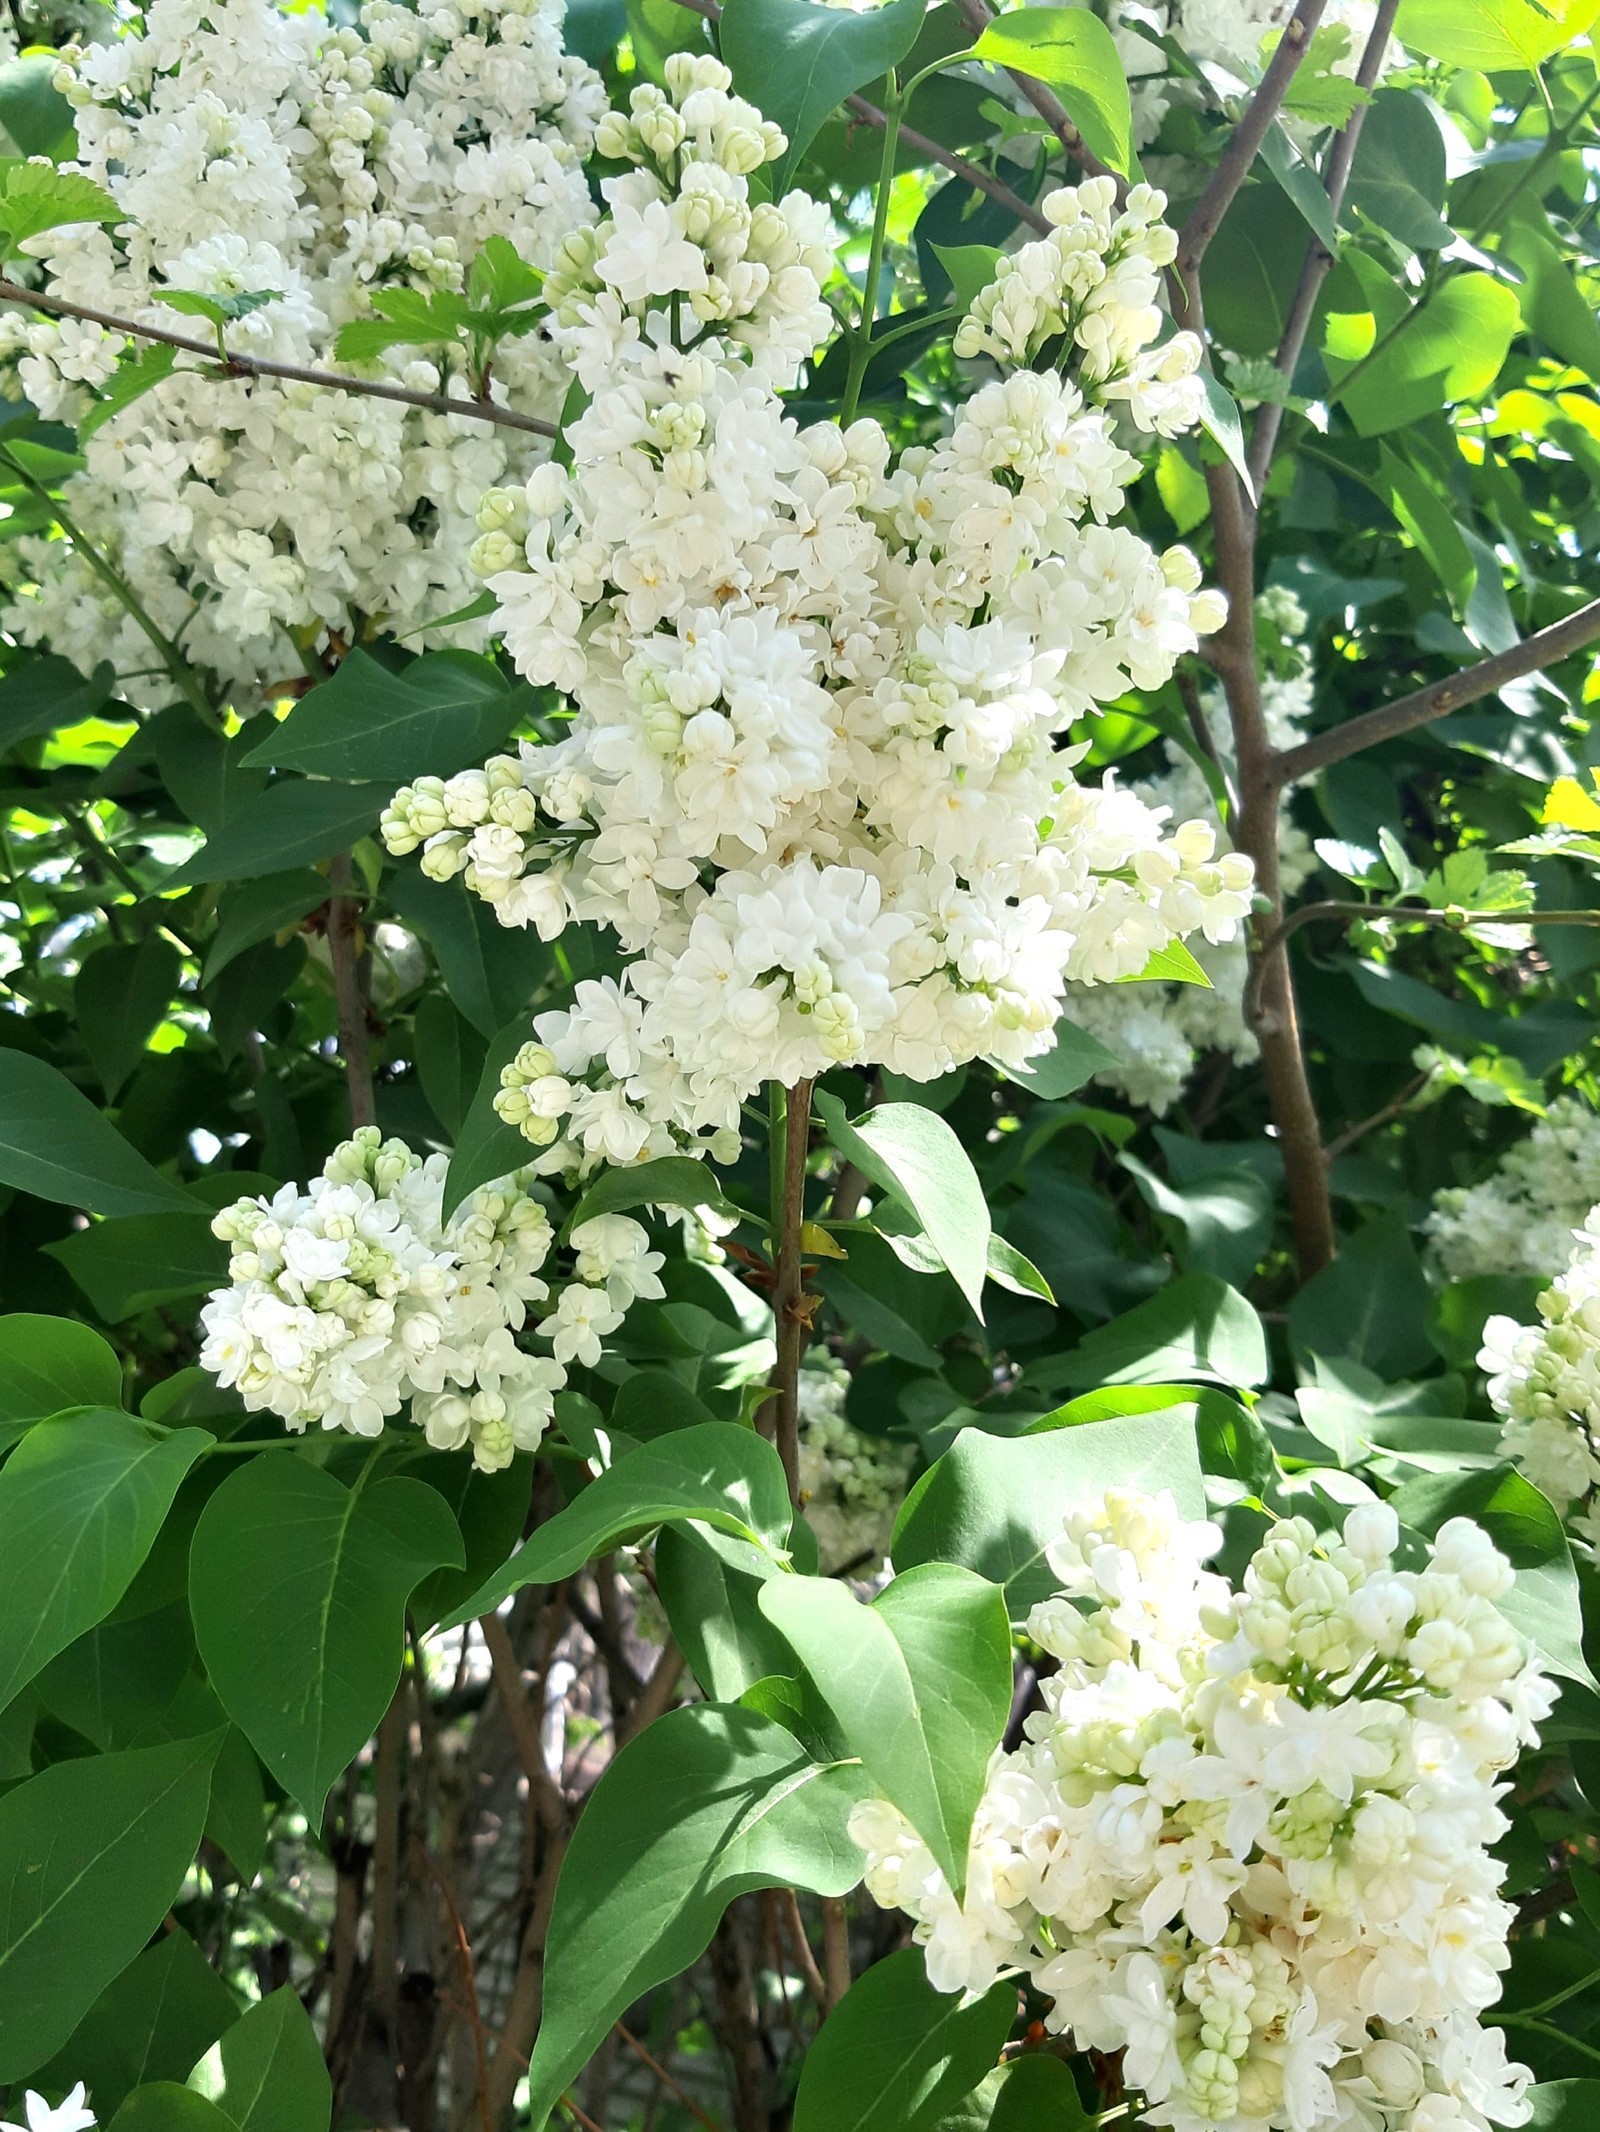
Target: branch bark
259 366
349 995
1319 259
1545 648
780 1416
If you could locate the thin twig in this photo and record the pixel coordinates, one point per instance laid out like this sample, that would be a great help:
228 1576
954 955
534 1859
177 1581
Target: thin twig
655 1697
958 165
1545 648
1319 257
349 996
580 2116
666 2078
1234 166
795 1932
260 366
836 1947
469 1978
780 1417
1343 1142
551 1807
977 14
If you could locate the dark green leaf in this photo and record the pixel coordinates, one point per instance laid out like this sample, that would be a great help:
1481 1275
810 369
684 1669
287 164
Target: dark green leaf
33 110
299 1586
491 971
1034 2093
92 1854
116 1684
727 1477
1197 1326
911 1153
258 909
47 1364
920 1683
1075 1057
272 2077
120 999
671 1181
715 1614
450 1057
44 695
56 1145
296 820
447 709
1371 1304
81 1501
705 1804
895 2055
486 1147
152 2023
165 2106
797 61
1398 177
131 1264
996 1503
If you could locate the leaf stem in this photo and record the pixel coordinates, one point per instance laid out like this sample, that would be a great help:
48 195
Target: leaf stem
861 340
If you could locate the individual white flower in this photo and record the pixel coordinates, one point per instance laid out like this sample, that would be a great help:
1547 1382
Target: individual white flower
70 2115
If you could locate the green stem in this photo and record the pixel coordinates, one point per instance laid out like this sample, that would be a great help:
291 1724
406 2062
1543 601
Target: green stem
861 340
178 668
1548 2028
1557 1998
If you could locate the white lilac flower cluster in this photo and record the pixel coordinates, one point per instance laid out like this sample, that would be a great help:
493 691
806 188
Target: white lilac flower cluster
351 1298
816 783
1544 1380
1160 1032
1248 1840
260 153
851 1484
1521 1218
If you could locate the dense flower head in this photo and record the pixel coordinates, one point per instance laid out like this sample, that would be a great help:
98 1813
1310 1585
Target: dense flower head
297 171
1544 1380
819 781
356 1295
1247 1842
1521 1218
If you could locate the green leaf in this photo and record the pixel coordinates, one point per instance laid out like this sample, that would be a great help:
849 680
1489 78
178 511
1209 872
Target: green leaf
1219 418
895 2055
910 1153
1398 178
1429 519
727 1477
920 1682
204 771
34 199
971 268
714 1612
670 1181
1013 1269
33 110
486 1147
1171 965
491 971
219 311
445 710
164 2106
56 1145
120 998
259 909
296 820
1446 349
81 1501
46 694
47 1364
1033 2093
1492 35
1551 298
1564 2105
267 2074
1197 1326
298 1587
151 2023
1251 271
237 1821
1300 182
1076 54
92 1854
1370 1304
130 1264
1075 1057
412 317
490 1509
994 1503
116 1683
1526 1527
133 377
705 1804
450 1057
798 61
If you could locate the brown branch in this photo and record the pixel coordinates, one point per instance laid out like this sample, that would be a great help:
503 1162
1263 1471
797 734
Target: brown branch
550 1806
349 994
581 2117
1234 167
469 1977
1342 1142
655 2066
977 14
836 1947
780 1416
1545 648
1319 259
655 1698
259 366
935 151
227 363
388 1787
794 1930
